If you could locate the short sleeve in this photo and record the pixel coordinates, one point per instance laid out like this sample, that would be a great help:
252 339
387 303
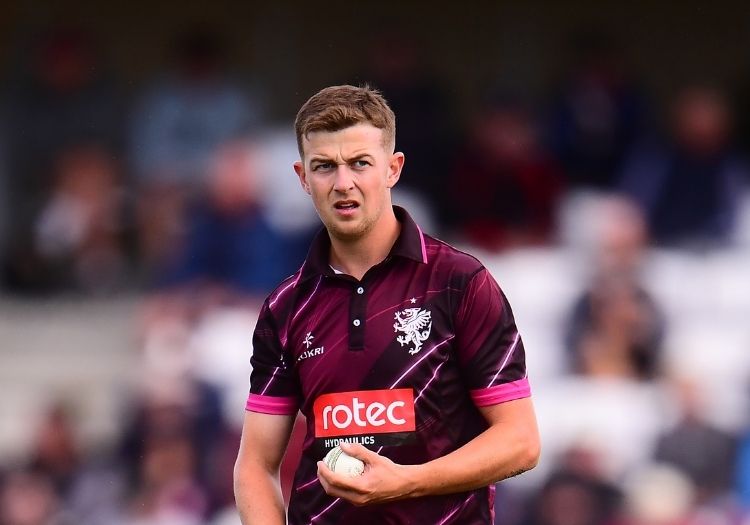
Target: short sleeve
490 349
274 387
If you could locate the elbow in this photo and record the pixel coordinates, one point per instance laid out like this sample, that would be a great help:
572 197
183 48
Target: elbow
531 450
236 476
527 454
240 476
531 453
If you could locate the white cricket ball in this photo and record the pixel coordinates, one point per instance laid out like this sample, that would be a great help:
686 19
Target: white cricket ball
339 461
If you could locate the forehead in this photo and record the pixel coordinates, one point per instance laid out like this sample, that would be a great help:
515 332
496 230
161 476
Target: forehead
360 138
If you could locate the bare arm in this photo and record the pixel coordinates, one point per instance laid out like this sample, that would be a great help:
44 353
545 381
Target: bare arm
256 472
508 447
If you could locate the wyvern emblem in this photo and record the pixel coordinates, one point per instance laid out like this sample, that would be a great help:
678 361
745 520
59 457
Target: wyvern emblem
415 324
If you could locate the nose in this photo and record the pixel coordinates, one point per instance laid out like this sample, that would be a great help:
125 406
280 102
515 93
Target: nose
344 180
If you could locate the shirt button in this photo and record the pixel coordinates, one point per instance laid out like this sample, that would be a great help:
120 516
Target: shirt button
356 322
360 290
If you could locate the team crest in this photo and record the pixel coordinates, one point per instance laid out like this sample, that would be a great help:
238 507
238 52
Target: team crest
415 324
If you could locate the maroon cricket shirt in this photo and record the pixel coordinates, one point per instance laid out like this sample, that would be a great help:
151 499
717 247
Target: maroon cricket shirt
398 362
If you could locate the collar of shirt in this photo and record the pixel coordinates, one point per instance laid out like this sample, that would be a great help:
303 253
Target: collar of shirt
410 244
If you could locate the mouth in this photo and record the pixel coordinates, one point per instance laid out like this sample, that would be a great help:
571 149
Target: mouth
346 205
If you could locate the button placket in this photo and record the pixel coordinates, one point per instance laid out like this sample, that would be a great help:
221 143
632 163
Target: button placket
357 316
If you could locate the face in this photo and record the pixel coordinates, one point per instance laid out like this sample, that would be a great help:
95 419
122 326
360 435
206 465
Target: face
349 174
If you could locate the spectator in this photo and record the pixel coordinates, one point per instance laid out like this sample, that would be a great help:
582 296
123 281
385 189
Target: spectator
29 498
688 186
169 446
742 472
5 216
576 493
87 486
504 186
79 235
598 114
400 69
229 246
178 123
616 327
167 492
660 495
702 452
56 453
64 100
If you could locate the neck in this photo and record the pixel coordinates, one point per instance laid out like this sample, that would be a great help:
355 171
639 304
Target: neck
355 257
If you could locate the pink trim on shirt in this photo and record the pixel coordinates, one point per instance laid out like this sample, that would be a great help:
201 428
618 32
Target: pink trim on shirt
424 248
280 406
483 397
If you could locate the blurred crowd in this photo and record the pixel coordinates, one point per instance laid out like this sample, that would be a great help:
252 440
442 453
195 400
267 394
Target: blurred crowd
183 193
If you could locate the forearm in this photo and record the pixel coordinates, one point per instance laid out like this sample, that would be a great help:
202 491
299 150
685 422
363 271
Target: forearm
509 446
490 457
257 490
258 496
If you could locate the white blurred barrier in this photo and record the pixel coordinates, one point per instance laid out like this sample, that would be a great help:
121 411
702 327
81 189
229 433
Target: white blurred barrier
619 420
221 347
541 284
77 352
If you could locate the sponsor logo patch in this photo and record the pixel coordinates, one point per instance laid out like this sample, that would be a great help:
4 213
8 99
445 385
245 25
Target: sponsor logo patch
364 412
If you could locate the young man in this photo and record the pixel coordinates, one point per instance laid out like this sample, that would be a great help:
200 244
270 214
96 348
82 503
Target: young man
391 343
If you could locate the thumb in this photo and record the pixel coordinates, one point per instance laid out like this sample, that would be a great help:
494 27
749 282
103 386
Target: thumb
358 451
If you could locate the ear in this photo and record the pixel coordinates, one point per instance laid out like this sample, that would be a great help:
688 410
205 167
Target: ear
395 166
299 169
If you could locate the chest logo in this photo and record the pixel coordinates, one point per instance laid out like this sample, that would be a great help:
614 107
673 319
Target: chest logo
310 352
415 324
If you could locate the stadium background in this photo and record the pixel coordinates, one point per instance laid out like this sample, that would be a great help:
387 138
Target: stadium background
124 362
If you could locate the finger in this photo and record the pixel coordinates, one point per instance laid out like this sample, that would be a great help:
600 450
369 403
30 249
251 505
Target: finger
330 479
322 476
326 475
359 451
342 490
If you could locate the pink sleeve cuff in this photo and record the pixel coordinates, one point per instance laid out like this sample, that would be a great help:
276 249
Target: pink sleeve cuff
281 406
483 397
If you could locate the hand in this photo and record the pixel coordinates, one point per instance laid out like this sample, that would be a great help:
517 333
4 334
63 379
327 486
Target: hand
383 480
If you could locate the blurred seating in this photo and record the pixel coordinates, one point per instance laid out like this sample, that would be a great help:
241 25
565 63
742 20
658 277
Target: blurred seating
204 200
622 419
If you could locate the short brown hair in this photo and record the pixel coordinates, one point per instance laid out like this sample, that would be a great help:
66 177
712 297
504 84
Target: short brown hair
337 107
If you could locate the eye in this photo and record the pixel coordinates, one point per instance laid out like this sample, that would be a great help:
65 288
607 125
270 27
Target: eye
360 163
323 166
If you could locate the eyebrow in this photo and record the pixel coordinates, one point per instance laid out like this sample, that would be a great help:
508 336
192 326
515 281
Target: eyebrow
323 158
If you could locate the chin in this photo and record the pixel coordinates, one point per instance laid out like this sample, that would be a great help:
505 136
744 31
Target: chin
345 234
347 231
